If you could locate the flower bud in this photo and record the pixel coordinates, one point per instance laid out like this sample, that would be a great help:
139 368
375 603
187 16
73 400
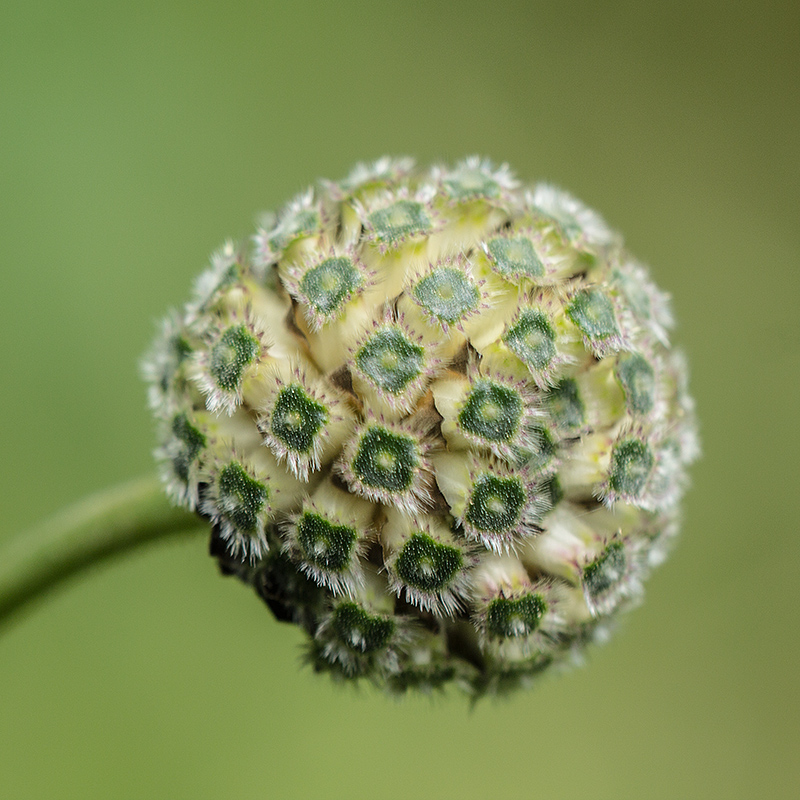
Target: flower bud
434 418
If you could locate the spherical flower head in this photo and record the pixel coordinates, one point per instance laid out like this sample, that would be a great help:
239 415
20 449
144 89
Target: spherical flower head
434 418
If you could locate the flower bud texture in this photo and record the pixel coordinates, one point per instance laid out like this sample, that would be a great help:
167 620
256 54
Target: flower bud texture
434 419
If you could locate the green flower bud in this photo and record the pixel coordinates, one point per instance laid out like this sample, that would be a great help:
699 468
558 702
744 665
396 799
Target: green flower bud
434 419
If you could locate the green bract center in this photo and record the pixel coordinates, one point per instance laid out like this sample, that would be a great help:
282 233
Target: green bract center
447 294
564 404
638 381
495 504
330 284
386 460
390 360
636 294
593 312
606 571
539 453
299 224
468 184
361 631
426 564
403 218
532 339
325 545
192 442
241 497
631 463
229 277
506 618
234 350
515 257
297 419
491 412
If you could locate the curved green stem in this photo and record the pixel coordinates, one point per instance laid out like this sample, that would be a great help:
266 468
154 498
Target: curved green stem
102 525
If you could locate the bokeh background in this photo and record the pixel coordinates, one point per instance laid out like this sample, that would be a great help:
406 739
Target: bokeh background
136 137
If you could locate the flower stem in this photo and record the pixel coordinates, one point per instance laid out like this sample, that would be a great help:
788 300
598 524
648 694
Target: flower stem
100 526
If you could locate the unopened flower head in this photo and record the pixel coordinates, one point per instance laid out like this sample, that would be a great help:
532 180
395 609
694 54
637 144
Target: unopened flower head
434 418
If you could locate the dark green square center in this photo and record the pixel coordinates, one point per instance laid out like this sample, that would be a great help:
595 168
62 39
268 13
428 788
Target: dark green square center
593 312
606 570
192 442
390 360
234 350
361 631
564 404
325 545
495 504
401 219
631 464
426 564
532 339
297 419
471 184
241 497
491 412
330 283
447 294
386 460
506 618
638 381
515 257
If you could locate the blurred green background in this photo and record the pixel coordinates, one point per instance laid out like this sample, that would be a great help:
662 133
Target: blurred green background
136 137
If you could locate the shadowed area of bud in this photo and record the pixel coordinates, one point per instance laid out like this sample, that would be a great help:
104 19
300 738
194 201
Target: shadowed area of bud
434 419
